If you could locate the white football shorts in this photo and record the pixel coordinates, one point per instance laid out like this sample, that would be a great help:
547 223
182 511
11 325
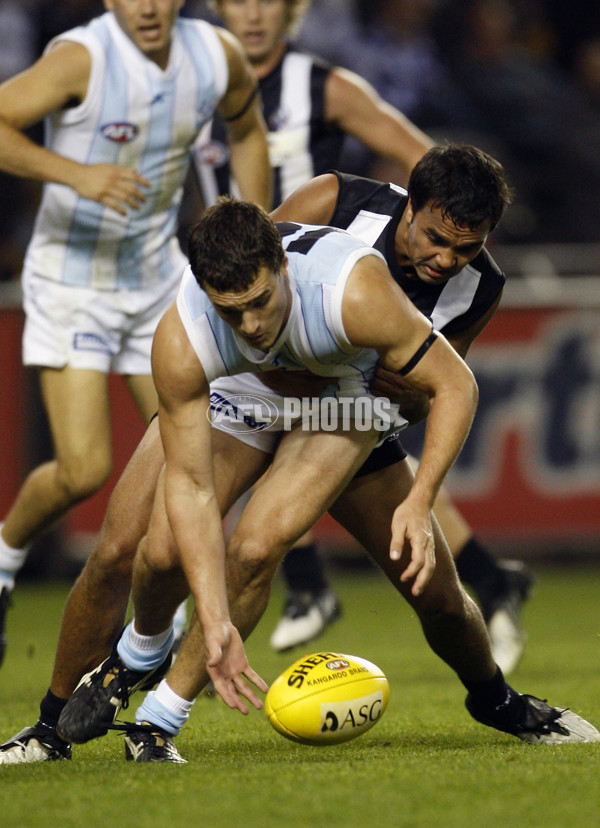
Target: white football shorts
241 405
85 328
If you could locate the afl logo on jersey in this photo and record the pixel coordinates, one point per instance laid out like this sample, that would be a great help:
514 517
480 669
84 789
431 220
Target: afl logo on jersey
120 133
213 154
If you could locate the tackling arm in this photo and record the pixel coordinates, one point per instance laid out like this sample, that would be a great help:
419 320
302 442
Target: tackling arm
414 405
312 203
377 314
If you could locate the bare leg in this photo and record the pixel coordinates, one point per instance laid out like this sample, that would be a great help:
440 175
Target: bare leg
158 582
500 587
451 621
96 607
77 406
307 474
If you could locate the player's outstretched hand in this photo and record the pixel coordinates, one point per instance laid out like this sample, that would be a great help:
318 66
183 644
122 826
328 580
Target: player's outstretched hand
113 185
411 529
228 667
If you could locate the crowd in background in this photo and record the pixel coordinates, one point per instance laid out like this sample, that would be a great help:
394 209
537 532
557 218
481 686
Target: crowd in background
520 78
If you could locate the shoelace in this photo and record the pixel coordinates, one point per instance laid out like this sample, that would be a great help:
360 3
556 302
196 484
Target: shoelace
121 675
131 728
549 724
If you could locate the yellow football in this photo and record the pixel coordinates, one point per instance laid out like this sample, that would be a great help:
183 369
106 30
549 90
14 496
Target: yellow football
327 698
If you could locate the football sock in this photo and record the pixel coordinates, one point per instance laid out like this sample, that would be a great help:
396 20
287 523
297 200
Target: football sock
144 652
11 560
479 569
164 708
501 703
303 570
51 707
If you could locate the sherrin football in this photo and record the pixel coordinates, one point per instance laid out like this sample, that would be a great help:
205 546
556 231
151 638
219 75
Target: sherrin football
327 698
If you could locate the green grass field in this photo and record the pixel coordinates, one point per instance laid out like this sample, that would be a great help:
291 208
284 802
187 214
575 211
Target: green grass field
426 763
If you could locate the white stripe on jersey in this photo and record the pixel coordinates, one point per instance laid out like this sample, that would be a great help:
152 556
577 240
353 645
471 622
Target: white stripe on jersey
456 297
289 147
207 180
368 226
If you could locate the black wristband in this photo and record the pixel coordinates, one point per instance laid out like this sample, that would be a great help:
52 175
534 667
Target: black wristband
419 354
245 107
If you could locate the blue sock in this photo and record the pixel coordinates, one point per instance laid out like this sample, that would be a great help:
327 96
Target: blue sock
153 711
147 658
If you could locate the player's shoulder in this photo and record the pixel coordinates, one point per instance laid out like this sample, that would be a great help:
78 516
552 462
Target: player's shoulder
303 238
321 253
68 59
191 299
357 193
294 53
194 31
485 265
360 185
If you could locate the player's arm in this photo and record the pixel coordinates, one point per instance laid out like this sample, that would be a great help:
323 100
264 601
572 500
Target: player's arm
57 80
355 106
246 131
414 405
192 506
376 313
312 203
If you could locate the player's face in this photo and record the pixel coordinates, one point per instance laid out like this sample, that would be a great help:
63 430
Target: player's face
436 248
260 25
148 23
259 313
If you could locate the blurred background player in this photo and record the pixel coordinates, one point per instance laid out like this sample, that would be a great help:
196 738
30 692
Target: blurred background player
124 98
310 107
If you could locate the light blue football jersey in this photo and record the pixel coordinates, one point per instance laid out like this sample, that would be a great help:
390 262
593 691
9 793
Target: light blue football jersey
320 261
140 116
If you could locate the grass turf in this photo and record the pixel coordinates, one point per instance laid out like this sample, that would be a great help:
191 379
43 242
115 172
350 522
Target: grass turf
425 764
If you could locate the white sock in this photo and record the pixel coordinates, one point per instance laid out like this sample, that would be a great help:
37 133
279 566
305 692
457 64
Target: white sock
145 643
164 708
172 701
11 561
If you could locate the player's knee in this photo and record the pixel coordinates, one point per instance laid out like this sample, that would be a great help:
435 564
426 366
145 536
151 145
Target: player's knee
159 557
112 558
251 558
81 477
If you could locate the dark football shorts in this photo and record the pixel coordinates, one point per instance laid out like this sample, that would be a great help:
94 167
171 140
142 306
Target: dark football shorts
389 452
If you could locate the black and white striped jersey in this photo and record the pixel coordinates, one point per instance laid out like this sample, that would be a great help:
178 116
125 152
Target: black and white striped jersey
301 143
372 210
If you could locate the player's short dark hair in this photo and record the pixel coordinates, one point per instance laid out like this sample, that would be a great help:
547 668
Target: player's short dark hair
467 184
230 243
